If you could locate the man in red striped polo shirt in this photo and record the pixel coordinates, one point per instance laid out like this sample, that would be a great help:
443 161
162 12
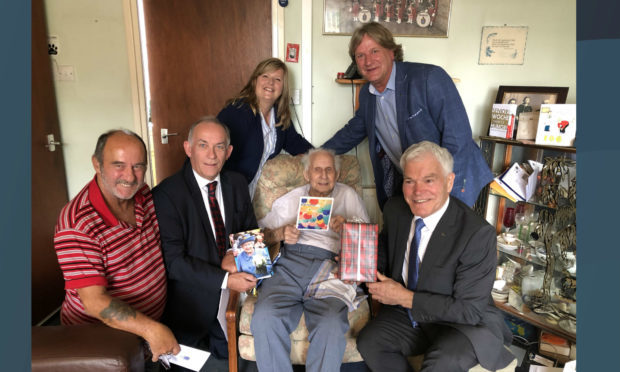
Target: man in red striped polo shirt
108 247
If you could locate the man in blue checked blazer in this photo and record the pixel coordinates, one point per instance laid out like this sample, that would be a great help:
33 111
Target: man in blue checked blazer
405 103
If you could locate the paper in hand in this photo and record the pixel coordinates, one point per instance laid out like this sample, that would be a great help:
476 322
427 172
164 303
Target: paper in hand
188 357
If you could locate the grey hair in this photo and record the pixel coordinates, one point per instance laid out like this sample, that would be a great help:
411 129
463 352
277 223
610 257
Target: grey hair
305 160
442 155
208 119
103 139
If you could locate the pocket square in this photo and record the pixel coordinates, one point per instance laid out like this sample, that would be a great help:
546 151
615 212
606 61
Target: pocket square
416 114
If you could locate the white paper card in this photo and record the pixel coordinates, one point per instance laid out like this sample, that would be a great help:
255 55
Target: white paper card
221 311
557 125
190 358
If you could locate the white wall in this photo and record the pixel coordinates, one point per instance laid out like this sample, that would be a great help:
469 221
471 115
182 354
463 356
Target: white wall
93 40
550 58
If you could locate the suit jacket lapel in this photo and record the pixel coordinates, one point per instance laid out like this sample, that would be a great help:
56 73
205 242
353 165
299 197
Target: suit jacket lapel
199 202
443 233
370 108
402 111
227 196
402 234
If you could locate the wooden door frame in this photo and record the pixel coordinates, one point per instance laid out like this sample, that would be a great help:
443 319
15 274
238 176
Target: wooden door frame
136 67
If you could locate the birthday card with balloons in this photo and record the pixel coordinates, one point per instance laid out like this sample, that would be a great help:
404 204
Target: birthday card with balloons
314 213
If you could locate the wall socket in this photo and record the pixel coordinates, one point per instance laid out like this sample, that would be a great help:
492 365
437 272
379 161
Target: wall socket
64 73
296 97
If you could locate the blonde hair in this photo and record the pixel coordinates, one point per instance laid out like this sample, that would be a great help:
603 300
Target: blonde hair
248 93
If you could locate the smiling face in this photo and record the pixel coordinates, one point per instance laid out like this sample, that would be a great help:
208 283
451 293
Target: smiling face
248 248
426 187
269 87
208 149
374 62
321 174
121 173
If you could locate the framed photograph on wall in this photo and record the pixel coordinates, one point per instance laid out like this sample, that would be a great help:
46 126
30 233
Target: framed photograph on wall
420 18
528 101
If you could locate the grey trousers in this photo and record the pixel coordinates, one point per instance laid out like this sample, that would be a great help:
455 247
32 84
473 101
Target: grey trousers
387 340
280 305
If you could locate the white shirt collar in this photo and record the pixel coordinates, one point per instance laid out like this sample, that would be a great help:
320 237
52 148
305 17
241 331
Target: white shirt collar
391 84
432 220
202 182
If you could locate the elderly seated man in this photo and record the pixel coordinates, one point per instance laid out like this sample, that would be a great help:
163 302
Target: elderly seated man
306 253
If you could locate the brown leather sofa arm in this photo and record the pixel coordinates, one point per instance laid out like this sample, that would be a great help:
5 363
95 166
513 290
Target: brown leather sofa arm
91 347
232 313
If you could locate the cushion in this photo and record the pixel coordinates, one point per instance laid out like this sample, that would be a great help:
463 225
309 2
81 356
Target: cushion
299 338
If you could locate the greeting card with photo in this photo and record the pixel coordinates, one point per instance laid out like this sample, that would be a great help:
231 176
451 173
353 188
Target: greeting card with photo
251 254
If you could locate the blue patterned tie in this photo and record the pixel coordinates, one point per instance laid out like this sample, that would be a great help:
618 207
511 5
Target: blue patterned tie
388 175
414 261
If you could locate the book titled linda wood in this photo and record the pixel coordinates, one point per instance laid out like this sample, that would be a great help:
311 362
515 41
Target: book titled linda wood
503 120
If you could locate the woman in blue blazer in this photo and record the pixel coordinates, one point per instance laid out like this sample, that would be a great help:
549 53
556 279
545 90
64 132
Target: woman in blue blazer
260 123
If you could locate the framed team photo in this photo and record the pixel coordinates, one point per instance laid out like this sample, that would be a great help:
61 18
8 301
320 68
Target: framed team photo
419 18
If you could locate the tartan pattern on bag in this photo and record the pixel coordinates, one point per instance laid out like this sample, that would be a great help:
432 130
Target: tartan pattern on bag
358 252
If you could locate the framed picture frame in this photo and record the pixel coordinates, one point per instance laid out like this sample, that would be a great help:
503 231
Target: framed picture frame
292 52
416 18
528 100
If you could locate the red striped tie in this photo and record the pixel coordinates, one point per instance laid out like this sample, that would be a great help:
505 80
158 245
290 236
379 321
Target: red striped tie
218 222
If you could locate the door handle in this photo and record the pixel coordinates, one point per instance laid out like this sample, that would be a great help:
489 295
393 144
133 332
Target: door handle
51 144
165 135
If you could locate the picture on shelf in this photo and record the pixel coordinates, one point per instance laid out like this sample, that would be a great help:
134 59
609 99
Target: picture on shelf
503 120
557 125
528 100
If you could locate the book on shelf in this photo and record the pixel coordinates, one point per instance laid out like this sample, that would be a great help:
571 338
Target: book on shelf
528 123
503 120
554 344
557 125
518 182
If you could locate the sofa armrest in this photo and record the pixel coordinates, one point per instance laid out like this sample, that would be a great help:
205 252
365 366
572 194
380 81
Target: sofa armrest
89 347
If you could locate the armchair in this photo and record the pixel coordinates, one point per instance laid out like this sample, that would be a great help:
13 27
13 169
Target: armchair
279 176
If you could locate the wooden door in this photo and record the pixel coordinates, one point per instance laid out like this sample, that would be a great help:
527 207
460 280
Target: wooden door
200 53
49 184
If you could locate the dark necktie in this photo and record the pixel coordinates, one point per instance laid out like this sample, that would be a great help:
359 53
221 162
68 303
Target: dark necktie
218 222
414 261
388 175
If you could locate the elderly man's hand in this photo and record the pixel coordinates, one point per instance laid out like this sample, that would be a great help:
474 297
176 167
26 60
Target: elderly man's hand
389 292
336 223
241 281
228 262
161 340
291 234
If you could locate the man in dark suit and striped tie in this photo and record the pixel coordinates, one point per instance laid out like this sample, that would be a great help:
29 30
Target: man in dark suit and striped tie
436 267
197 208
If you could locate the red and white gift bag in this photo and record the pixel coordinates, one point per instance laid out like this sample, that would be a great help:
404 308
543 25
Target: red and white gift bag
358 252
